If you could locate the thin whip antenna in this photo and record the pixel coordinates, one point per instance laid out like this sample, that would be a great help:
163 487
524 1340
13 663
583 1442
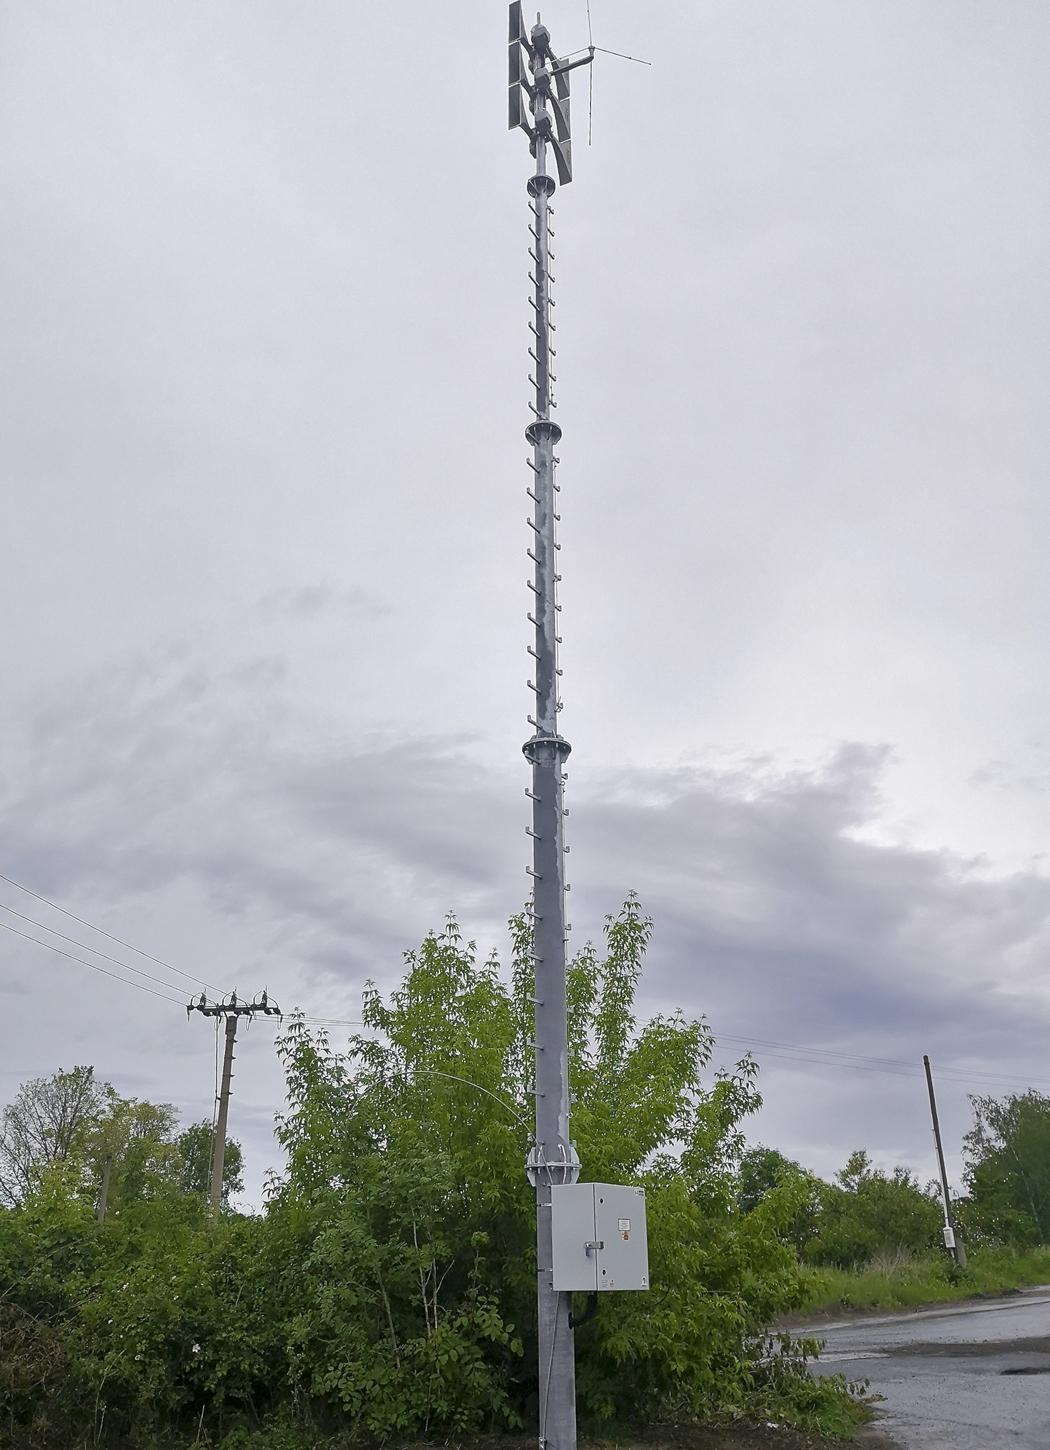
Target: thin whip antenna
590 80
619 53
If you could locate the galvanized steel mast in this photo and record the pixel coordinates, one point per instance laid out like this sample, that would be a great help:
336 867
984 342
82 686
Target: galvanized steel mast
543 89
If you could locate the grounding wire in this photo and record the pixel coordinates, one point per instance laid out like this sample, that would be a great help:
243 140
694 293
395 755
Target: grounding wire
102 932
93 965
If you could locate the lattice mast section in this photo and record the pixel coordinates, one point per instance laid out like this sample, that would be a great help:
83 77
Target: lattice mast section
539 104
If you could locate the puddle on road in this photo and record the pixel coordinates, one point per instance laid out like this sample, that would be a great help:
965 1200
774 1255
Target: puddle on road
853 1354
972 1348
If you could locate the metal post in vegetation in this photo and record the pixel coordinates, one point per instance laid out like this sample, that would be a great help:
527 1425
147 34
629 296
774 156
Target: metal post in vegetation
229 1009
951 1241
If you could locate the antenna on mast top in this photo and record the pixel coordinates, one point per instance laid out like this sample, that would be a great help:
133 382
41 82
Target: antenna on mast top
539 84
523 47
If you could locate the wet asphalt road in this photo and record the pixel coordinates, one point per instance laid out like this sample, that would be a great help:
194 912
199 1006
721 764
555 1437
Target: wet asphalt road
964 1377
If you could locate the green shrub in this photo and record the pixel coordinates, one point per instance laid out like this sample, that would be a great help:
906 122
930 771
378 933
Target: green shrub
388 1289
868 1213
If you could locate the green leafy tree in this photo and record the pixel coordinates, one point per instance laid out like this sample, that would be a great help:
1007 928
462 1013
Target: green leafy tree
99 1143
765 1173
81 1129
194 1149
129 1151
406 1154
1007 1154
49 1252
761 1171
868 1213
389 1287
49 1124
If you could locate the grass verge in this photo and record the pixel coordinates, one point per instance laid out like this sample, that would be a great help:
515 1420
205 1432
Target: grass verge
656 1437
907 1283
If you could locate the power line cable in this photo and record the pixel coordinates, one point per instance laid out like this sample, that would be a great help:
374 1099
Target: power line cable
865 1060
93 965
765 1053
792 1051
102 932
822 1051
902 1072
784 1051
84 947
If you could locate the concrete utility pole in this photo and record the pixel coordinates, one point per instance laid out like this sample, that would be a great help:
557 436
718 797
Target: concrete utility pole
103 1193
951 1243
543 90
218 1147
230 1009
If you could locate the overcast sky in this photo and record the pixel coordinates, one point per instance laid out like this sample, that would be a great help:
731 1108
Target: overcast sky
263 290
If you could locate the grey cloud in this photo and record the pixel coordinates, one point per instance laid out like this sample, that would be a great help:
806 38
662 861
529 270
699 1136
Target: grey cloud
306 601
262 461
325 862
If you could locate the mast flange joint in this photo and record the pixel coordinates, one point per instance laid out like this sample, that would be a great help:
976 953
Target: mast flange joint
540 183
557 743
541 429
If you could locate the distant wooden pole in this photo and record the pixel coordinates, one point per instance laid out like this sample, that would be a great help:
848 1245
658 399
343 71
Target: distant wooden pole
951 1242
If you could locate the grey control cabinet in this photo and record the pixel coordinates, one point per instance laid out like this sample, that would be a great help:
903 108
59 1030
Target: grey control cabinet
599 1237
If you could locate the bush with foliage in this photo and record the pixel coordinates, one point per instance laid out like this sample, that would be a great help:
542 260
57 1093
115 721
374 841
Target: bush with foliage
867 1214
389 1286
1007 1153
764 1171
72 1127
